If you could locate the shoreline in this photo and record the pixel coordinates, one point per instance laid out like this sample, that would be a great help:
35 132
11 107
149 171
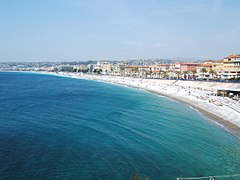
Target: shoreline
226 124
222 115
230 126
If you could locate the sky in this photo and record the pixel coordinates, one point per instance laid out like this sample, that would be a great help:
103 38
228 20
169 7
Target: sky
69 30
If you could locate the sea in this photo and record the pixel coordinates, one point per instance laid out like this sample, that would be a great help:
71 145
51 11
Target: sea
55 127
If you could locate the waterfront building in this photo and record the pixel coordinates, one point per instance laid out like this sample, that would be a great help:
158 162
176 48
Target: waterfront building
131 71
204 70
155 71
217 66
177 70
97 68
122 68
161 70
103 67
118 69
188 67
81 68
171 71
185 69
138 71
90 68
106 67
231 65
67 68
145 72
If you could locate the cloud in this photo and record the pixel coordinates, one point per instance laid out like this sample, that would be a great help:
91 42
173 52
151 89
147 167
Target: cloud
217 5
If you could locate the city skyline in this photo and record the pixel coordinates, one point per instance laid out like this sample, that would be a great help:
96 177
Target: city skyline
118 30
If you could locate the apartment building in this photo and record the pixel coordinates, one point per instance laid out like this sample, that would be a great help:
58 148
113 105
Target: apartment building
204 70
231 66
217 66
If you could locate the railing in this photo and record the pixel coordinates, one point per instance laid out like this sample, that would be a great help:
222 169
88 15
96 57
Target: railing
209 177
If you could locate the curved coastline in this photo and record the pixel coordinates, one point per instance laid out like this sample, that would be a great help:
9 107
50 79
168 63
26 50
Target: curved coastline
225 123
225 116
155 136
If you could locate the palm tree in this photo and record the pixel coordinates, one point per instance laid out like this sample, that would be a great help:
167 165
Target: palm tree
177 73
193 72
148 73
164 74
212 72
203 70
185 74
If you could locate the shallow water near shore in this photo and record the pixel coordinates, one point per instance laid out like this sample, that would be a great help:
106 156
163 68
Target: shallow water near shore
64 128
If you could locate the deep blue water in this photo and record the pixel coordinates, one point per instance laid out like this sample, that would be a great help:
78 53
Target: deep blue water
63 128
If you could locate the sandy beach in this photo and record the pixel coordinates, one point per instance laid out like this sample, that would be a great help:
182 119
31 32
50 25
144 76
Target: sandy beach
200 95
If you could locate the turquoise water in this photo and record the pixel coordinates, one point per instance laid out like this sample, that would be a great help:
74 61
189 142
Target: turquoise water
63 128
